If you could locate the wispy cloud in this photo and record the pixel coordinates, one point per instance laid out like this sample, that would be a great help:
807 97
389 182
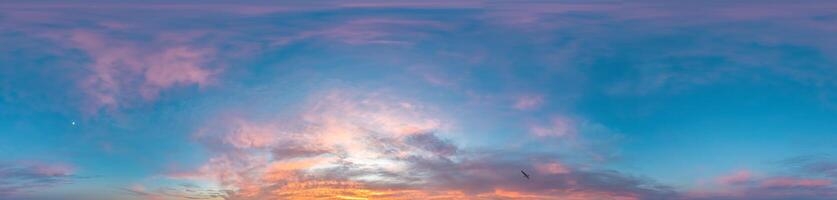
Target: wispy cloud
528 102
785 182
739 177
816 165
122 70
792 181
19 178
177 192
558 126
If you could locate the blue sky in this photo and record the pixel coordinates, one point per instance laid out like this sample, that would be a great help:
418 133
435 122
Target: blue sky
432 99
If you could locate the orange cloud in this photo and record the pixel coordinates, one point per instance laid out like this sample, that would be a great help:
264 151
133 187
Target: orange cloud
340 190
338 128
286 170
332 189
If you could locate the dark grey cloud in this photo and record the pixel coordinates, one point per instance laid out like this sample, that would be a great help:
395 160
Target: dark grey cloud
431 143
485 173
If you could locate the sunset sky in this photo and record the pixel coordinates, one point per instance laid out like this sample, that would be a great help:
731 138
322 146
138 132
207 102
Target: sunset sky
256 100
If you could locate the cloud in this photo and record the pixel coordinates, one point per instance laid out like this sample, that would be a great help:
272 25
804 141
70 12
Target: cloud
786 182
176 192
418 5
338 130
367 31
533 15
183 65
739 177
133 6
122 69
491 172
793 184
773 189
247 135
429 142
558 126
816 165
528 102
346 144
552 168
20 178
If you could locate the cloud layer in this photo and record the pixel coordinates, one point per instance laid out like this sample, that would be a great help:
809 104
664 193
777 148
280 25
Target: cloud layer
376 146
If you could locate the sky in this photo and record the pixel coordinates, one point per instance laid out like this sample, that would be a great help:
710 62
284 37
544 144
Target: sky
254 100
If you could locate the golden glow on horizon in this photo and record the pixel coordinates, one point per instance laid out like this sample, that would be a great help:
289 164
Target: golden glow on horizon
330 189
355 190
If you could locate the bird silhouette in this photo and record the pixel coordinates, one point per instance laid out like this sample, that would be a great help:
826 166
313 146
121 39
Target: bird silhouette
524 174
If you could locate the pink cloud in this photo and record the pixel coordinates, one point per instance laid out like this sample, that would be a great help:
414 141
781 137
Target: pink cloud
413 4
552 168
743 185
528 102
739 177
432 75
746 11
369 31
175 66
248 135
140 190
23 177
795 182
53 169
436 79
374 31
122 70
203 7
558 126
533 14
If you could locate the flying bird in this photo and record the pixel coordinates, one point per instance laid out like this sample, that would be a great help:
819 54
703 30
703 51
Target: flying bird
524 174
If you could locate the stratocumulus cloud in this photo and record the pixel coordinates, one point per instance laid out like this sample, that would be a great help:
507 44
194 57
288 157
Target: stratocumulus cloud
364 147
